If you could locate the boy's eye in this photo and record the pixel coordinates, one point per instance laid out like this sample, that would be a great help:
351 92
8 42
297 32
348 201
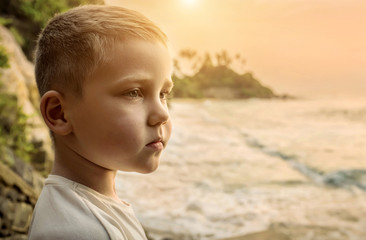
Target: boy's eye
164 95
133 93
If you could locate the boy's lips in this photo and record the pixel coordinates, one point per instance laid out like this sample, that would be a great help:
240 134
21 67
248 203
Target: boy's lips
157 144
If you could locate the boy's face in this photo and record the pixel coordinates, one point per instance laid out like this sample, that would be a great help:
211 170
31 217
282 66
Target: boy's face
122 120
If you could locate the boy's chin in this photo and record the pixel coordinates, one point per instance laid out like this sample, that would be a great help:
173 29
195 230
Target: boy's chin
147 171
148 168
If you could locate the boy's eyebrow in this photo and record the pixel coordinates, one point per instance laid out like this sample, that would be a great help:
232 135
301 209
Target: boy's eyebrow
133 78
143 79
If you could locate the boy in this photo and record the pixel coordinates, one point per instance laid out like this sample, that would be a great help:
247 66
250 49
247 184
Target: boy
104 74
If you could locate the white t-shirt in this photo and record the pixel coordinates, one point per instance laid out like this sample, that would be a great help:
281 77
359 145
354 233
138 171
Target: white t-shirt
72 211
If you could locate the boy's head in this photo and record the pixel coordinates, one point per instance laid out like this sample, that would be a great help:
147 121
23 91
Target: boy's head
104 74
74 43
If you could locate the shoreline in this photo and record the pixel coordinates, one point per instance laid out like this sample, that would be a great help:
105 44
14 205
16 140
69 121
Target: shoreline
263 235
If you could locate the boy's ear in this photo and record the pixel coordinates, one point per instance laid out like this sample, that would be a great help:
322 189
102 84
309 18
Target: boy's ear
53 112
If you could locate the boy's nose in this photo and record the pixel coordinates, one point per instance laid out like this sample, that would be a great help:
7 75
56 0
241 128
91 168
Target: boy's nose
158 113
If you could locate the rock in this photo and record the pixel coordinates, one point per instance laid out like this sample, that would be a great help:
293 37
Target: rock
38 182
24 170
5 228
17 200
10 193
17 237
22 217
11 179
7 156
7 208
7 212
10 110
20 184
21 198
19 80
39 158
20 76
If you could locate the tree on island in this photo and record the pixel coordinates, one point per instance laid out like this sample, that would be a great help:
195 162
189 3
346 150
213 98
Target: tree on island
213 77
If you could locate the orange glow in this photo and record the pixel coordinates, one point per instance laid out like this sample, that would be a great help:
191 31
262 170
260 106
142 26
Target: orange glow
298 47
189 2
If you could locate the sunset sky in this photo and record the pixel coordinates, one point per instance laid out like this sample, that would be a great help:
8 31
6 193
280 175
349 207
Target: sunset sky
299 47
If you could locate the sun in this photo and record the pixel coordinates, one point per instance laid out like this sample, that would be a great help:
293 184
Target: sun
189 2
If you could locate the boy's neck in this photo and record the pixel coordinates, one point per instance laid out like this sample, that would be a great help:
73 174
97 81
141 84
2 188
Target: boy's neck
72 166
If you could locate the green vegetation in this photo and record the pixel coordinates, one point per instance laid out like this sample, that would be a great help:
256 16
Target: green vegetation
40 11
26 18
13 121
216 80
4 21
4 59
13 129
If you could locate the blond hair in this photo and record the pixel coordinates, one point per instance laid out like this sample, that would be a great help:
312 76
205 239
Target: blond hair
74 43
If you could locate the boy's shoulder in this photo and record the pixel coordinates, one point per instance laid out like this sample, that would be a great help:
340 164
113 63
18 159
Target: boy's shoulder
69 210
61 214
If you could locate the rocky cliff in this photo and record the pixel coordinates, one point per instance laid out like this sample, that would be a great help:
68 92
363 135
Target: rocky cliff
25 145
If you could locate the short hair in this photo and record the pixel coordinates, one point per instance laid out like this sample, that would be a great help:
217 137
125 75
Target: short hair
75 43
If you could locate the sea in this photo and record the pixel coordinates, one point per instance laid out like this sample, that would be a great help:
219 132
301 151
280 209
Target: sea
238 167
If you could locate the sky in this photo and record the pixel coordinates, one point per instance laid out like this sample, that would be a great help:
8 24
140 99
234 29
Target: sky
297 47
